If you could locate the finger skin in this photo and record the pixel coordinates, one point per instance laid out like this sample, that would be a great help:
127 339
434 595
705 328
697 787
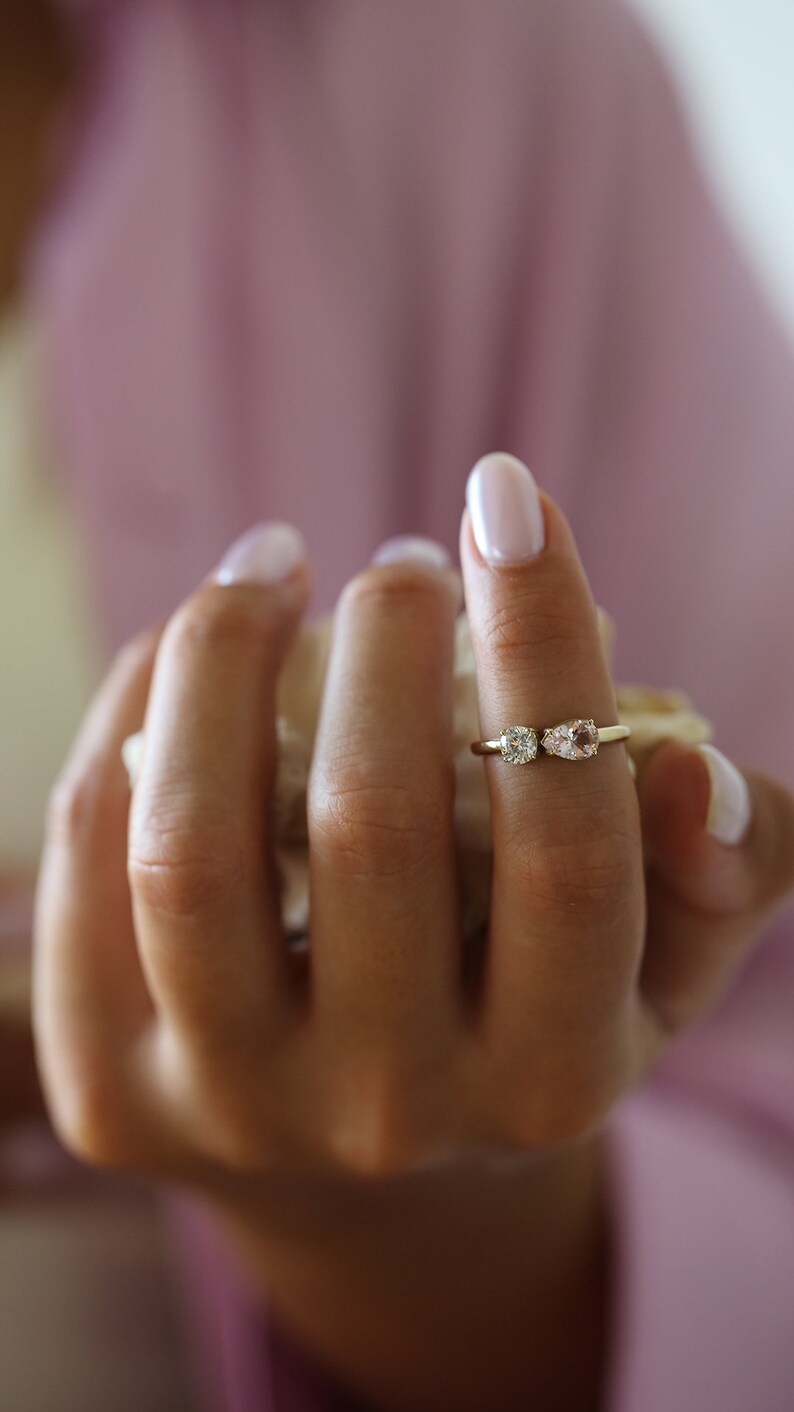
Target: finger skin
90 1001
707 902
205 900
567 912
384 903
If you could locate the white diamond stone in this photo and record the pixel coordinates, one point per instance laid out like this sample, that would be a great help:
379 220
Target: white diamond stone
519 745
573 740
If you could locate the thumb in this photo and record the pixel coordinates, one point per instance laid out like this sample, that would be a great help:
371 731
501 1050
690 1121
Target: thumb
719 848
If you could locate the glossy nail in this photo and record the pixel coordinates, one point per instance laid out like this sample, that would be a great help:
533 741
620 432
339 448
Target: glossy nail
730 807
267 553
505 509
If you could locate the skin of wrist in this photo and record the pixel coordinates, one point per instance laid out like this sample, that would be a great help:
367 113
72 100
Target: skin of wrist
472 1286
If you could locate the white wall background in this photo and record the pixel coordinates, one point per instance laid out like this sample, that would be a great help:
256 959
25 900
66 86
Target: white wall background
735 63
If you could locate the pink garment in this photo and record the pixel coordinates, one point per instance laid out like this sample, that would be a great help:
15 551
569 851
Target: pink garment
309 261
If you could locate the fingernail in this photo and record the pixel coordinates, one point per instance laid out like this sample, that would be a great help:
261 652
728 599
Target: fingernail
505 509
268 553
412 549
729 808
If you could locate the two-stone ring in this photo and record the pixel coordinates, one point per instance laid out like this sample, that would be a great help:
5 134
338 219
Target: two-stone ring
571 740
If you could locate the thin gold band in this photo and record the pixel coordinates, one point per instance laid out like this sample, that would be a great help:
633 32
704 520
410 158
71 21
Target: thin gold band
606 734
575 739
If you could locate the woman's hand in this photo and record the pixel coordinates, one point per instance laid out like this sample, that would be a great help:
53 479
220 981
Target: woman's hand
179 1037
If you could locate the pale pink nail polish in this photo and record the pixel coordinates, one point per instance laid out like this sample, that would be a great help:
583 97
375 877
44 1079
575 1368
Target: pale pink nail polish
413 549
265 554
505 510
730 808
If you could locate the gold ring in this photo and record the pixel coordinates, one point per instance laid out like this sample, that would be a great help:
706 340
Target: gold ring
571 740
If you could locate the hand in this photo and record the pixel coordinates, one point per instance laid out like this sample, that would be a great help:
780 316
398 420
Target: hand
178 1037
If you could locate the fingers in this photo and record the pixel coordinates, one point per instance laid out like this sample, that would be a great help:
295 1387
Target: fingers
90 999
567 902
203 884
384 908
720 852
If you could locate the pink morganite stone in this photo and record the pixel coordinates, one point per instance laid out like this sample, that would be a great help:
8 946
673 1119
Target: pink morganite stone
573 740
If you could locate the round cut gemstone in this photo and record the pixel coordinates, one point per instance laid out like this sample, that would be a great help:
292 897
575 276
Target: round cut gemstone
519 745
573 740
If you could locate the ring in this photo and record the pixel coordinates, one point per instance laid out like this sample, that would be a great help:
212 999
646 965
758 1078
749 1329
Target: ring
571 740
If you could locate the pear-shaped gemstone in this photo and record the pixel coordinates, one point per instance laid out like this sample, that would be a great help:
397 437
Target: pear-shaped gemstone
573 740
519 745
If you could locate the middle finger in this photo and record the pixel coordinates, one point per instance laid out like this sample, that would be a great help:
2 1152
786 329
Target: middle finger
383 885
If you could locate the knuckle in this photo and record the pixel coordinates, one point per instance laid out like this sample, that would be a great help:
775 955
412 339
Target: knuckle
365 826
565 1083
381 590
241 1142
214 620
526 622
179 868
79 804
591 878
551 1116
85 799
374 1137
90 1119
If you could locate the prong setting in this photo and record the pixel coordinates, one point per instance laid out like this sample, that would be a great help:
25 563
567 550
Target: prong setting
519 745
572 740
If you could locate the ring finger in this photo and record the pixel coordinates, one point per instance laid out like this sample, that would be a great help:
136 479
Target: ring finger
567 904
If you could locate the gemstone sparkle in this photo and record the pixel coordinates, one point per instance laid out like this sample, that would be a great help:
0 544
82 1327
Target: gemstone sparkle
519 745
572 740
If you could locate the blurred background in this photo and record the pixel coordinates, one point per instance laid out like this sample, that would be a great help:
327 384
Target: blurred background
733 64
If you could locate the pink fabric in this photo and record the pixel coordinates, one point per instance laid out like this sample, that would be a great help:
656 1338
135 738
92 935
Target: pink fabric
310 260
704 1313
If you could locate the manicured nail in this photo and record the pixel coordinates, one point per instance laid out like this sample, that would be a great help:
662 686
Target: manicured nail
730 808
267 553
412 549
505 509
